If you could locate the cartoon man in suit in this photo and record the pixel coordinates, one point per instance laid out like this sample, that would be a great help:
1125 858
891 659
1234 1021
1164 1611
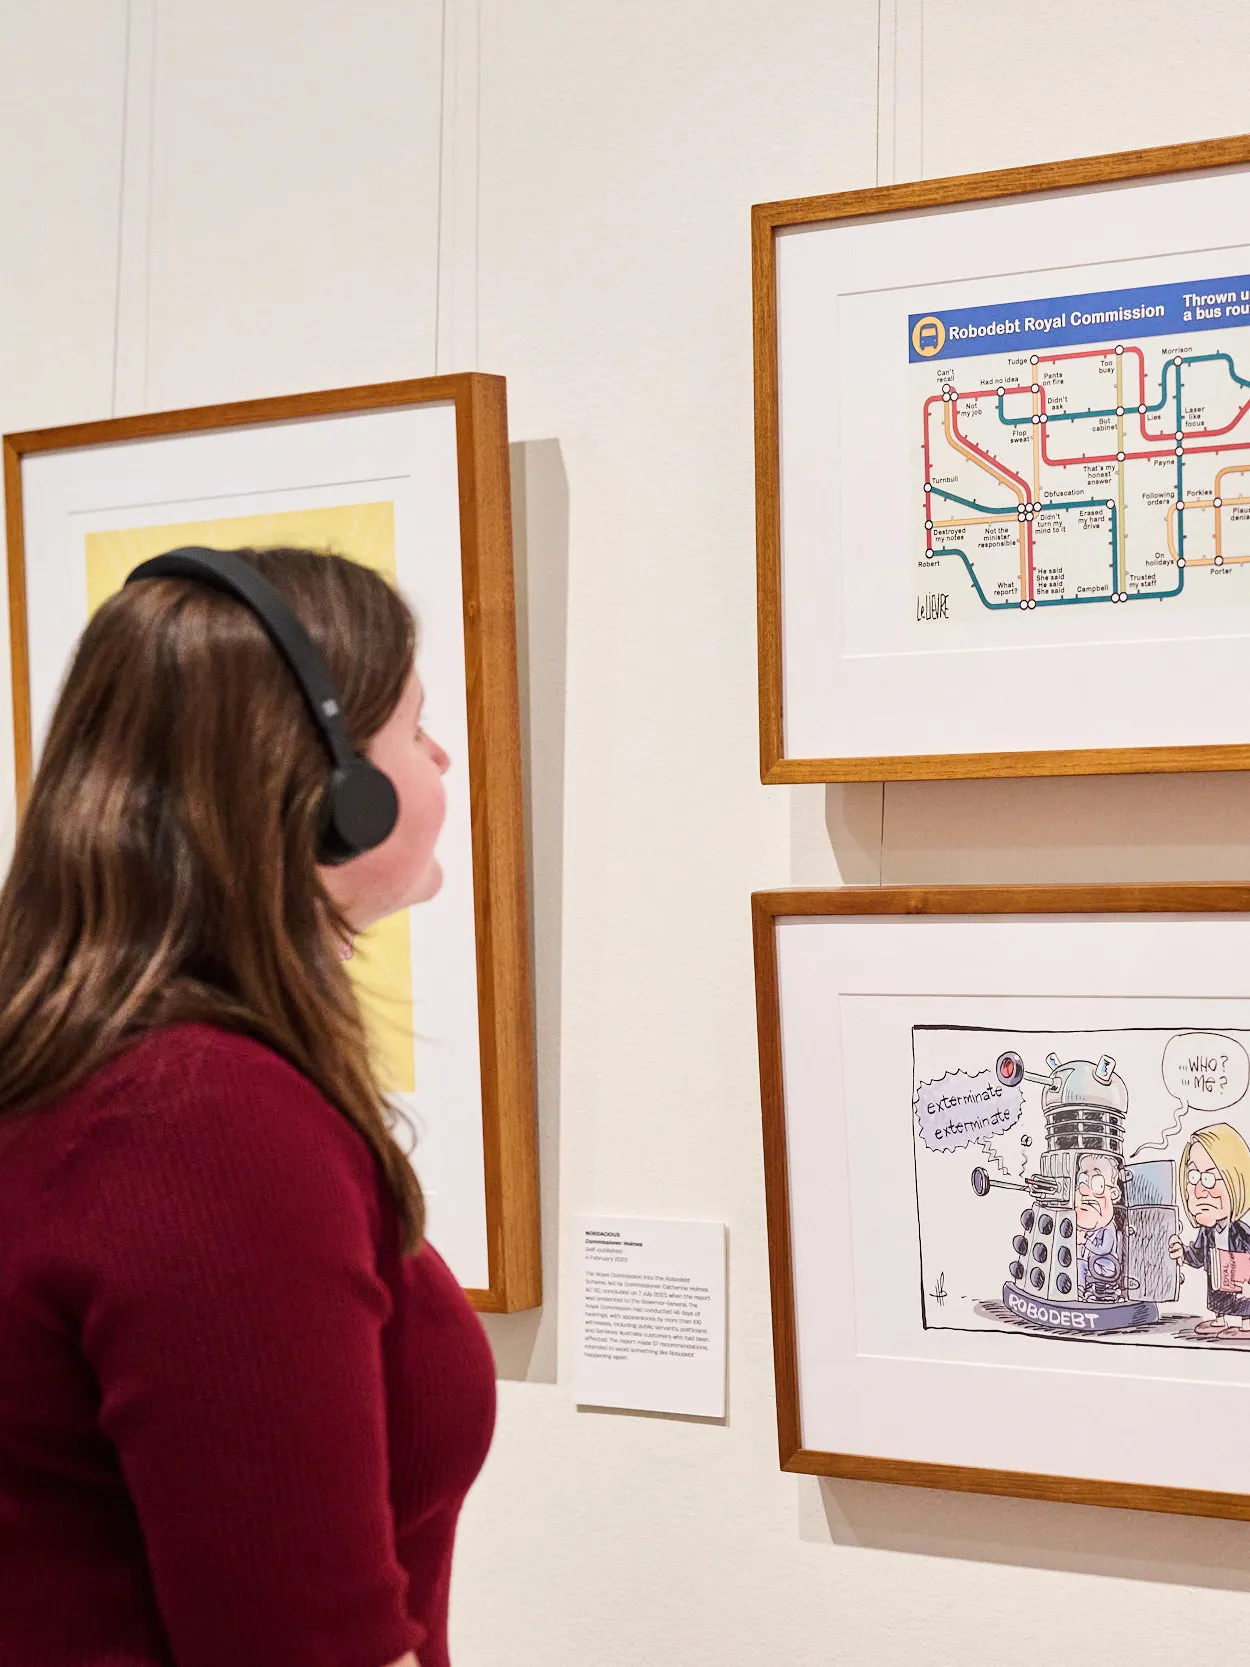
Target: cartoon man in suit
1215 1182
1098 1258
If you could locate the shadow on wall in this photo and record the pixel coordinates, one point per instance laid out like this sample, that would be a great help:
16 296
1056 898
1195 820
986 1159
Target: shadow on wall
1041 829
1026 1533
525 1344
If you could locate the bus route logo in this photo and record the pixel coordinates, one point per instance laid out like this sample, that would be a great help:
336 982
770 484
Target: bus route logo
929 336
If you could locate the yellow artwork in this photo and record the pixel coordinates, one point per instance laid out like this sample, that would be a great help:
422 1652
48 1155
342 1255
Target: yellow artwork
381 968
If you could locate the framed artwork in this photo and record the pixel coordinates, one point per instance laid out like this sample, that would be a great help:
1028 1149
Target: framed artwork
410 478
1007 1159
1003 472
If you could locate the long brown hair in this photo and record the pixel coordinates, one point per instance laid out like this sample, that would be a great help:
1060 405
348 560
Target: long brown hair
165 867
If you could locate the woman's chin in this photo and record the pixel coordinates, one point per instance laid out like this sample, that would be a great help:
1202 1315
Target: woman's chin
431 885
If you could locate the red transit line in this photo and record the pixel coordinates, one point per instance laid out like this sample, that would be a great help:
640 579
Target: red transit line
998 468
928 499
1110 353
1028 545
1167 441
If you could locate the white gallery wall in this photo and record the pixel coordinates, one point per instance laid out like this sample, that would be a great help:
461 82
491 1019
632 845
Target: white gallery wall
209 199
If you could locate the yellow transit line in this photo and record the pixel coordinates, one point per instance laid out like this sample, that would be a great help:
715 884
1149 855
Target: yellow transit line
974 521
1201 503
1003 479
1037 484
1232 469
1119 557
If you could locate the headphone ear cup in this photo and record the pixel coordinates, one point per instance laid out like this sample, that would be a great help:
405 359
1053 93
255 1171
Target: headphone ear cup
361 809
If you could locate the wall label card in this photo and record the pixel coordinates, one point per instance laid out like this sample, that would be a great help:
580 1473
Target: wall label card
651 1315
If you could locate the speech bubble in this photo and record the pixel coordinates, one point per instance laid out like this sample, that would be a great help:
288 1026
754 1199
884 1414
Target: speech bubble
1205 1071
959 1110
1202 1071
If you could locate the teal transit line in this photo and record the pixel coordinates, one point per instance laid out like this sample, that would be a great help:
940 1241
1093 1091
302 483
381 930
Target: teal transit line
1179 413
976 583
1071 601
1205 358
1097 503
1074 416
1180 481
969 503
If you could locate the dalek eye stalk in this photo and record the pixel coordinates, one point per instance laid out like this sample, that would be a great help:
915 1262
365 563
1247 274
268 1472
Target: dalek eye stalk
1091 1253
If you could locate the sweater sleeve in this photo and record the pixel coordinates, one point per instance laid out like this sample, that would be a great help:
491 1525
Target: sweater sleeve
231 1309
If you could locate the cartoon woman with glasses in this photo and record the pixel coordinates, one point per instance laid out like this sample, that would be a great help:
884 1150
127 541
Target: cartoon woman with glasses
1215 1184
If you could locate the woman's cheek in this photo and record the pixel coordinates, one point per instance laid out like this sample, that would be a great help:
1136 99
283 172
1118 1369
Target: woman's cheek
423 809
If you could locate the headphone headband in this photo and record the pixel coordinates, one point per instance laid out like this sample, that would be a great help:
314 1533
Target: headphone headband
361 807
225 571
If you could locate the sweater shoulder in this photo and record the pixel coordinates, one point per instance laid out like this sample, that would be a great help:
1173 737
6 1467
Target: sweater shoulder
192 1132
204 1084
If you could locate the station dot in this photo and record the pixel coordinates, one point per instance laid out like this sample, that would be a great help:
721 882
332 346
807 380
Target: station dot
1119 349
1110 503
1119 410
1001 392
1037 419
1119 457
1035 506
1180 451
1180 561
1029 516
1032 604
1142 409
1219 561
1180 434
1035 389
1044 417
1217 502
946 387
1032 358
928 486
1178 360
1024 604
928 526
1115 596
1180 504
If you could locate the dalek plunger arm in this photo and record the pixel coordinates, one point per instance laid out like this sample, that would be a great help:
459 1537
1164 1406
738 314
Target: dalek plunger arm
1010 1071
982 1181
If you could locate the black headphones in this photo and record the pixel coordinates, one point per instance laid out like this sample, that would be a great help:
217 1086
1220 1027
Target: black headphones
360 807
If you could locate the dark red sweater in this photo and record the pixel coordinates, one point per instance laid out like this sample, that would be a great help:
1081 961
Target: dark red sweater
236 1425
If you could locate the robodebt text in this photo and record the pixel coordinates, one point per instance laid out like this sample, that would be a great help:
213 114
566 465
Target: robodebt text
1043 326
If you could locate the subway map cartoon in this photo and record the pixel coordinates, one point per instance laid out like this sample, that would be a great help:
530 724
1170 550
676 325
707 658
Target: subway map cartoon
1084 450
1087 1184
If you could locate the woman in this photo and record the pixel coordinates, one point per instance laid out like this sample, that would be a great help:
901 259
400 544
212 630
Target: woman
1215 1185
240 1401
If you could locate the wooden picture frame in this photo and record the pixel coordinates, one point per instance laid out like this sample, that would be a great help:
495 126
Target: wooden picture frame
887 926
803 705
474 505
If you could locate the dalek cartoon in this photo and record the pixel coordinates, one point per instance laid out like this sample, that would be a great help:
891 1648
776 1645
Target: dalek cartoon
1091 1254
